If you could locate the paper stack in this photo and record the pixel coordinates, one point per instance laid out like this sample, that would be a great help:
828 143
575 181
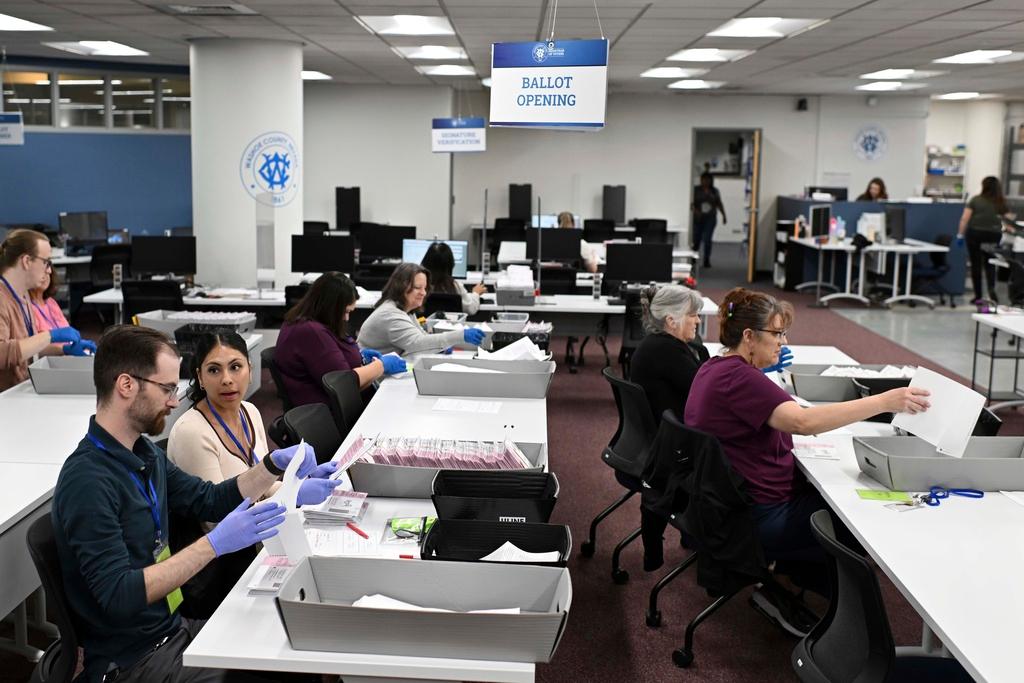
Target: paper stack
889 371
521 349
509 552
339 508
413 451
270 575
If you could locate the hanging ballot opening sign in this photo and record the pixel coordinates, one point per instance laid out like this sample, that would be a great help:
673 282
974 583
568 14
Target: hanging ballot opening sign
561 84
12 130
459 135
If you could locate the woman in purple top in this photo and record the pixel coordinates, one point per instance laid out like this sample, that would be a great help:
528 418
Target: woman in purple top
753 418
314 341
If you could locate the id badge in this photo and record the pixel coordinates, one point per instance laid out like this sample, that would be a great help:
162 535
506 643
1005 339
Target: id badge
174 598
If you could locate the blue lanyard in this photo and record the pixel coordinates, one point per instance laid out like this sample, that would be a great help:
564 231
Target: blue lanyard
150 496
24 310
47 318
241 449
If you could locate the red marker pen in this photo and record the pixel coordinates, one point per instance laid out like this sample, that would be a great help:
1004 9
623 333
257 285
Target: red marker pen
356 529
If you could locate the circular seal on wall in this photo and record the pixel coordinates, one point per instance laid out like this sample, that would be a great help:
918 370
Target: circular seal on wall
540 52
870 143
269 168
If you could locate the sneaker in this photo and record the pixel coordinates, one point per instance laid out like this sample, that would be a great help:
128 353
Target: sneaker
783 609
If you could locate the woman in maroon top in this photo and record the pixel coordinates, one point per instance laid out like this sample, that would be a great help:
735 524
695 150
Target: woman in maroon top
754 420
313 341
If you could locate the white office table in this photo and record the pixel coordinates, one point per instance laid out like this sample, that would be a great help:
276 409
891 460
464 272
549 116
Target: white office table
810 355
71 260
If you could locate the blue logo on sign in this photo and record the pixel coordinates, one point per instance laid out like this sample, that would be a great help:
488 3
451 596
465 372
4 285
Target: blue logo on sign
540 52
269 168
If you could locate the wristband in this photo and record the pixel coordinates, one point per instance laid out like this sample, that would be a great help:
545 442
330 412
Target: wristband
268 462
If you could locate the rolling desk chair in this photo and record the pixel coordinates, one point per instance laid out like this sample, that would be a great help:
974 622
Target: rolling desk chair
293 294
61 657
346 400
315 227
632 328
598 230
267 359
927 277
314 423
651 230
150 295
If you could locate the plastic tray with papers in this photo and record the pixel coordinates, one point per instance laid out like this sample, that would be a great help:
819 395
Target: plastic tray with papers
461 540
907 463
519 378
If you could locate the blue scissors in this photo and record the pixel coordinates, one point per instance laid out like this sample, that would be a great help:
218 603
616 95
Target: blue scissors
937 493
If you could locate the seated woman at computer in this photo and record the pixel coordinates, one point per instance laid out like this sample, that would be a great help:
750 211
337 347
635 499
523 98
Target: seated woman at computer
875 191
392 327
314 340
982 223
24 265
221 437
439 262
588 258
754 419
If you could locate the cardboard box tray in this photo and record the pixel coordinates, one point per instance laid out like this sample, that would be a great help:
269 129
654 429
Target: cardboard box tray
520 378
907 463
62 375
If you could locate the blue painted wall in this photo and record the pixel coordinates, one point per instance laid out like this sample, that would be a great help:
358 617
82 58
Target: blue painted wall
143 182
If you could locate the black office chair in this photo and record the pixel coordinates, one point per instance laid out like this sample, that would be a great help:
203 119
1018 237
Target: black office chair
632 329
267 359
61 657
315 227
988 424
853 642
627 453
314 423
150 295
558 281
346 399
293 294
505 230
438 301
598 230
928 278
651 230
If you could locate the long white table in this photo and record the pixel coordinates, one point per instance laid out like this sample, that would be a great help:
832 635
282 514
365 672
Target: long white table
396 409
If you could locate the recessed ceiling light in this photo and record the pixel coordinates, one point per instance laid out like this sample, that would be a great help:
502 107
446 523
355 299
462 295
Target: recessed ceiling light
958 96
406 25
9 23
431 52
900 74
764 27
80 81
315 76
709 54
672 72
98 48
447 70
486 82
883 86
696 84
981 57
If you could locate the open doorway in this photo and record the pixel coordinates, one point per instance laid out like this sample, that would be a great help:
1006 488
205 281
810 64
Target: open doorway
730 158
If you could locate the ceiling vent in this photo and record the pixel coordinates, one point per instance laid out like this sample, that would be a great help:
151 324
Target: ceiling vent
211 10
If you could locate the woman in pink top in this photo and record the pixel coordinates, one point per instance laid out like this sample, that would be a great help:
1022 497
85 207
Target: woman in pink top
45 309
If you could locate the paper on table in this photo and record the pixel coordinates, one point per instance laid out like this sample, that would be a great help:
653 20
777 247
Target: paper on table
509 552
340 541
290 539
378 601
464 406
817 450
521 349
954 411
1016 496
455 367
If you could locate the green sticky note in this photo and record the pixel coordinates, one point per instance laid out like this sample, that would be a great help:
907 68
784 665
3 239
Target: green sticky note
887 496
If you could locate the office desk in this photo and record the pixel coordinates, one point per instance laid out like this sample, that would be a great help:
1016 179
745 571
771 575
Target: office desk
625 230
809 355
396 409
71 260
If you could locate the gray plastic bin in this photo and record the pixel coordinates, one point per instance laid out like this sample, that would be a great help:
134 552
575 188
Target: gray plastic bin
395 481
315 604
809 385
521 378
158 320
62 375
908 463
515 296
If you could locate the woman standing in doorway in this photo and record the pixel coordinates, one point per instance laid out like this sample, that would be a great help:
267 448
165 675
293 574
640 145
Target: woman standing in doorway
706 203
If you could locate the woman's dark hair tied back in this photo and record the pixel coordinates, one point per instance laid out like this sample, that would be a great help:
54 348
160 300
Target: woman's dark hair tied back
325 302
203 347
744 309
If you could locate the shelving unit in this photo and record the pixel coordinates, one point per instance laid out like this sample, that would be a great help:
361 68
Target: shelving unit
945 173
1013 178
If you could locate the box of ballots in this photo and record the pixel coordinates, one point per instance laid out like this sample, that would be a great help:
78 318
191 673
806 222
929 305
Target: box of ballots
515 296
908 463
62 375
483 611
463 540
500 496
168 321
519 378
404 467
450 318
828 383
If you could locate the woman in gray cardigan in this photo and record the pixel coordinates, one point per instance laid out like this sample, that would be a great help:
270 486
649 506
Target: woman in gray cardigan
392 327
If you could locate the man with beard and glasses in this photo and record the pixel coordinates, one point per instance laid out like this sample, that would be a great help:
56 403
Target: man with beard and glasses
110 515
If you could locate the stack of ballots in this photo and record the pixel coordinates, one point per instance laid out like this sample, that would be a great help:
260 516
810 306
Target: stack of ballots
340 508
414 451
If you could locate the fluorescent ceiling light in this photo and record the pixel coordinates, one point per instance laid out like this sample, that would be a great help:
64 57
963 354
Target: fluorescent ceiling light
431 52
149 100
981 57
315 76
447 70
886 86
85 81
764 27
958 96
9 23
98 48
672 72
709 54
406 25
900 74
696 84
486 82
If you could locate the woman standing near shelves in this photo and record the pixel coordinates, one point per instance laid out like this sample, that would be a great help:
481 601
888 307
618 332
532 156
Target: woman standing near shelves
981 223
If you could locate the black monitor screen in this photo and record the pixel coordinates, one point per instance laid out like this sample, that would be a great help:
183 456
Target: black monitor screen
896 223
555 244
639 262
384 241
838 193
84 226
163 254
321 253
821 216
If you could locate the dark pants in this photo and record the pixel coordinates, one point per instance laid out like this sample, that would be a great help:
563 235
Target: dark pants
703 227
979 260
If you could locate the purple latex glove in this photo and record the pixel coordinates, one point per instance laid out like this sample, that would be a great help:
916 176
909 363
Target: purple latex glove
245 526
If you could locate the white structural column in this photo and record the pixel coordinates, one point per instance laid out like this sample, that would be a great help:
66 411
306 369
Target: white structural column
246 148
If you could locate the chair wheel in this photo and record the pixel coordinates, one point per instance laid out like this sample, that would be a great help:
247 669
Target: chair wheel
654 618
682 657
620 576
587 549
573 370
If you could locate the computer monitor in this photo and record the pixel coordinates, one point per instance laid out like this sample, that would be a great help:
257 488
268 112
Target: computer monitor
839 194
638 262
550 220
163 255
384 241
84 226
322 253
555 245
118 237
414 250
821 216
895 223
